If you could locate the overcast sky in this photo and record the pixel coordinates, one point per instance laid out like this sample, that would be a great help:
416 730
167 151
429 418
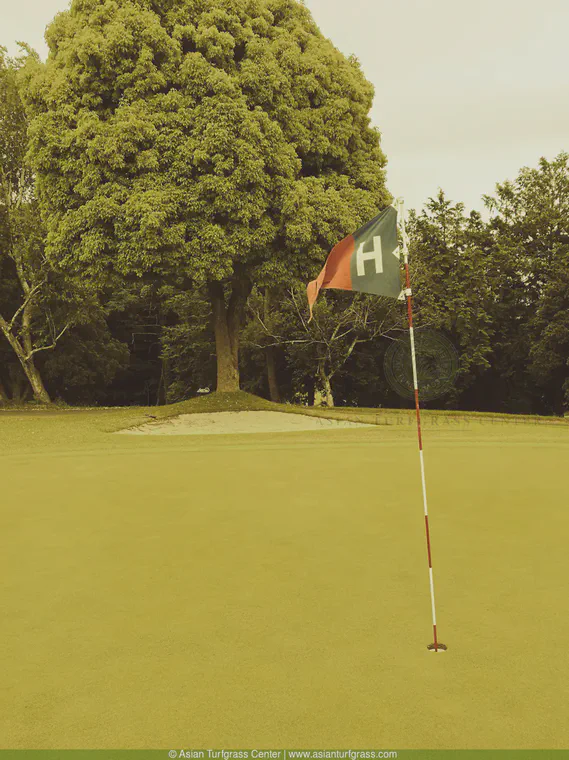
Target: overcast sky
466 92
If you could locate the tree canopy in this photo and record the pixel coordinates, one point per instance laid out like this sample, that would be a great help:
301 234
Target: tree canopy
37 305
227 143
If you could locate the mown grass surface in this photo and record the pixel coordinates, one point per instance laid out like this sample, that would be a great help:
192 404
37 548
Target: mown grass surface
271 590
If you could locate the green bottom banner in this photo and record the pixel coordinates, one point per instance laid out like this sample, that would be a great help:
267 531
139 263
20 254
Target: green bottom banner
285 754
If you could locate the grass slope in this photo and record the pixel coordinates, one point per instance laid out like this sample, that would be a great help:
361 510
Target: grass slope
240 402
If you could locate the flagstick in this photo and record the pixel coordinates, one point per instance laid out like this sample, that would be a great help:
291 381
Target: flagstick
436 646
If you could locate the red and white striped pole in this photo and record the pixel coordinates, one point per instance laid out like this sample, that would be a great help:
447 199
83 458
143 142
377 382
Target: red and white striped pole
436 646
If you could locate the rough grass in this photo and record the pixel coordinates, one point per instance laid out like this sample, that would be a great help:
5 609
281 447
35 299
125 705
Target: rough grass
271 590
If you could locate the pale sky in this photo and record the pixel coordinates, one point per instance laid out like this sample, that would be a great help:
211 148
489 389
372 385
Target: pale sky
467 92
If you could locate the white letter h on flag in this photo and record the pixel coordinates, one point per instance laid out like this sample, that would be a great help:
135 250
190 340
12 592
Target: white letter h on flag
376 254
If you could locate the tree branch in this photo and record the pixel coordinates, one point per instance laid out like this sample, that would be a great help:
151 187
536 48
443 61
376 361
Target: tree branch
53 345
29 297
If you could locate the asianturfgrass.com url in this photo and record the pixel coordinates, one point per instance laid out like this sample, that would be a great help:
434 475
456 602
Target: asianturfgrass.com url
281 754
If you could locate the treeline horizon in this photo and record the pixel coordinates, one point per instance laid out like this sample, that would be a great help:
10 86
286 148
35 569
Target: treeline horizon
175 174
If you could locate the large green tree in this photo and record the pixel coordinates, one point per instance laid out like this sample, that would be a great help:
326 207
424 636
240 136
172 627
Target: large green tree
530 225
32 319
453 264
223 141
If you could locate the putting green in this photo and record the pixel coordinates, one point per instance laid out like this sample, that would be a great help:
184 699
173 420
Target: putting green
272 590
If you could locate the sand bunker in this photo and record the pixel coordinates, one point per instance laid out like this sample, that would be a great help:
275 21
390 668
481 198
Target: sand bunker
238 422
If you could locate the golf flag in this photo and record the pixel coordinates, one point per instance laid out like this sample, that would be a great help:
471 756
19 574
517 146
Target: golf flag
367 261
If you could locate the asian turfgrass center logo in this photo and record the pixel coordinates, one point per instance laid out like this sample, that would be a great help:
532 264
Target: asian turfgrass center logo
438 364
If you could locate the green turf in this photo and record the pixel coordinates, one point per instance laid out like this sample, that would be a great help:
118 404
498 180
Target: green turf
271 590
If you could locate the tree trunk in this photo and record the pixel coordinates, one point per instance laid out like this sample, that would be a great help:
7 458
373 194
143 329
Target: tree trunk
26 361
272 375
3 395
227 325
164 384
326 389
227 369
33 375
328 392
272 378
310 390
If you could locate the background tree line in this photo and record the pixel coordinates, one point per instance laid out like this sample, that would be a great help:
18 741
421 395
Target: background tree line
174 175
